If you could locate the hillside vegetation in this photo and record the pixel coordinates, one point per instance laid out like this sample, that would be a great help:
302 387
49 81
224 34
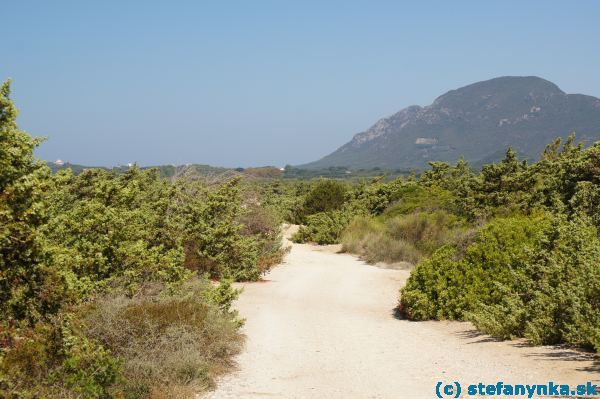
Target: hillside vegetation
514 249
104 276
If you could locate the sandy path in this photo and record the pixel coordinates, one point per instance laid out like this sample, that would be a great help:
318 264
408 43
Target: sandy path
322 326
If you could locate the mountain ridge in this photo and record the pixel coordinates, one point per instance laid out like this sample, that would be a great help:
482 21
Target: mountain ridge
474 121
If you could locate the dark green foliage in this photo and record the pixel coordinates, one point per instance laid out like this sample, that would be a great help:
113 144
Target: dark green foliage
325 196
586 201
526 274
105 227
374 197
321 213
411 197
501 184
557 296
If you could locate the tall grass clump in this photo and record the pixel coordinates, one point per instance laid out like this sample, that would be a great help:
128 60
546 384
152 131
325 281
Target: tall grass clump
427 231
405 238
370 239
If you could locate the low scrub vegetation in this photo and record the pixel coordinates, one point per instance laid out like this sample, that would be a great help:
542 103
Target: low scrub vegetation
158 343
532 270
104 288
325 226
513 248
172 343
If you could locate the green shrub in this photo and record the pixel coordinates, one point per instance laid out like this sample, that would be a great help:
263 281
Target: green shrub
411 198
285 198
263 225
22 183
364 199
422 296
54 359
322 228
373 198
556 296
534 277
325 196
212 232
139 226
454 285
530 276
586 201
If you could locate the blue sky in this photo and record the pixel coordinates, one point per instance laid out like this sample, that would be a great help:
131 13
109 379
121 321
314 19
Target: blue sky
240 83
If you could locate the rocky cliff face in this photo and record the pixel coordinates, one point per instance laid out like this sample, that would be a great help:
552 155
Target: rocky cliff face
474 122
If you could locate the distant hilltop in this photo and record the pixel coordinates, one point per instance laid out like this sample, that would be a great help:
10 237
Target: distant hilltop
477 122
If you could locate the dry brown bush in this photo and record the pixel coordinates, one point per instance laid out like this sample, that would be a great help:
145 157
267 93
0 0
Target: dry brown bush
173 344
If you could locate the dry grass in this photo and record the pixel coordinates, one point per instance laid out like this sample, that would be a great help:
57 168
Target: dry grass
427 231
405 238
370 240
172 345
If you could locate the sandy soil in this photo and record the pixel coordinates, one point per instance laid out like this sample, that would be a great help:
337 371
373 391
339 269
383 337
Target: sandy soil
322 326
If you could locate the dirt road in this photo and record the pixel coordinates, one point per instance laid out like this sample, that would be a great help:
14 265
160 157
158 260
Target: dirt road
322 326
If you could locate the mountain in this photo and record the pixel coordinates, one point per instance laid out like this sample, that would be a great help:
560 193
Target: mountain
477 122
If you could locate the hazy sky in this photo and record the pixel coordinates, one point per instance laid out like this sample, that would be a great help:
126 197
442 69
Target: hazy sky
239 83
